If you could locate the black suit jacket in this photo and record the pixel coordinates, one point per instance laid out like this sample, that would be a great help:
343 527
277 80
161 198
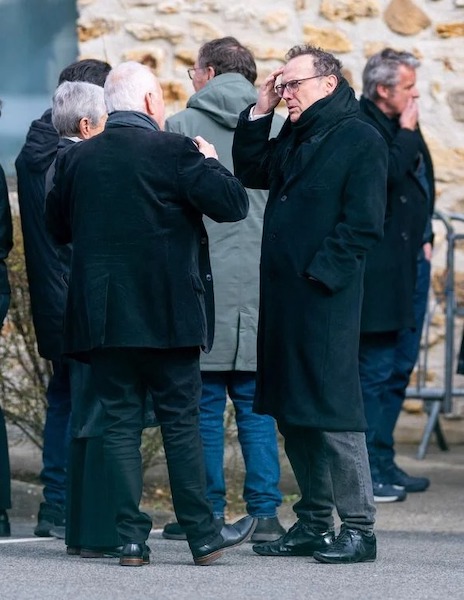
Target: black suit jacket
131 201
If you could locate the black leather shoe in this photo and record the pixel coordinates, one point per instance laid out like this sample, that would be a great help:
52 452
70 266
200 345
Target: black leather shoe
103 552
351 546
73 550
134 555
229 537
173 531
5 530
300 540
267 530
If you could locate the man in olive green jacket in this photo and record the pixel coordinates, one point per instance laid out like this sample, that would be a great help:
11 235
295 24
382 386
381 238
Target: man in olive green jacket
223 78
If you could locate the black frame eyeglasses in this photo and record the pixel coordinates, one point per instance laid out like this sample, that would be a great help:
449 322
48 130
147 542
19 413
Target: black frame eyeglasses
191 71
292 86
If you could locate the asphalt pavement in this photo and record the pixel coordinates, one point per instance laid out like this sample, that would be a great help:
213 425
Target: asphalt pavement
420 556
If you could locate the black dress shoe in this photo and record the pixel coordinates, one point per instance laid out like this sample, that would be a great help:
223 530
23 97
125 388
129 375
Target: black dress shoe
300 540
73 550
229 537
5 530
267 530
351 546
134 555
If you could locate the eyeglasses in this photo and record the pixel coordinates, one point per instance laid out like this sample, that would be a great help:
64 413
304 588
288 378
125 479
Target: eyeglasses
191 71
292 86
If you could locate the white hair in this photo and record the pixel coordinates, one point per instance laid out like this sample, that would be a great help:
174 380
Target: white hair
73 101
126 86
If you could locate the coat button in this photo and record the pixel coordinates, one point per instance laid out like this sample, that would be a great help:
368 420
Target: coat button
273 236
403 199
283 198
208 277
405 236
203 241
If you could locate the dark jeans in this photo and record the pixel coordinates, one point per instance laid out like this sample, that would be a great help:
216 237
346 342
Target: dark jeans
257 437
56 435
406 353
376 360
332 470
122 378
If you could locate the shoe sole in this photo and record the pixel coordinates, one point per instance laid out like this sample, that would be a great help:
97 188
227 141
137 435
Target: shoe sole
73 551
204 561
133 561
381 499
329 561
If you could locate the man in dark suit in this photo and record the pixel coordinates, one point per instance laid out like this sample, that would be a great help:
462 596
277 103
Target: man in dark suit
140 296
322 217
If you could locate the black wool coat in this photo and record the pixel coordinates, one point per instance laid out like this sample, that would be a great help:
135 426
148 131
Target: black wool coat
47 265
327 180
391 266
131 201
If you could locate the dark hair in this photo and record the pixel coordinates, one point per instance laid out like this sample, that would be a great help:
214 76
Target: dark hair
324 62
90 70
227 55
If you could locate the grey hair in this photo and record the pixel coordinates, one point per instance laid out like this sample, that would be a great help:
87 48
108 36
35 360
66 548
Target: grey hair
74 100
382 69
126 86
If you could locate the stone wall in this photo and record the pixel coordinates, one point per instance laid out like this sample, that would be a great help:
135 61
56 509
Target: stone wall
166 35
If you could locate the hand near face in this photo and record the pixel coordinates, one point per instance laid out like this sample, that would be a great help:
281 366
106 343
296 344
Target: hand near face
410 115
207 149
267 98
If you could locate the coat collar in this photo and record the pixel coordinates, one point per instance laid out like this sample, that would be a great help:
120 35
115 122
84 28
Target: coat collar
131 118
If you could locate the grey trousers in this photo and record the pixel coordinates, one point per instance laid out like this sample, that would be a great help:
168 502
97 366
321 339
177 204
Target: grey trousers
332 471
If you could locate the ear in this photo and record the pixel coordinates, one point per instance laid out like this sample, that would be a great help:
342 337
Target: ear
150 104
84 128
331 83
383 91
211 73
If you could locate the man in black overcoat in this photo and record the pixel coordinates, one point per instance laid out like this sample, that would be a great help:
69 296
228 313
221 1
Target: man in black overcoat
140 301
47 269
6 243
398 269
325 211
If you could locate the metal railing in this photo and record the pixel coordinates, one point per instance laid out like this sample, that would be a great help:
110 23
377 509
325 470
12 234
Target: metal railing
440 399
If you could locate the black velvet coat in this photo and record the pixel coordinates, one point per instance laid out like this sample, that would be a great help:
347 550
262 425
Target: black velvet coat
327 180
131 200
391 266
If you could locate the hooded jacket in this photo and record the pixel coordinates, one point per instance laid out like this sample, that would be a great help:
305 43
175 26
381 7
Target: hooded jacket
213 113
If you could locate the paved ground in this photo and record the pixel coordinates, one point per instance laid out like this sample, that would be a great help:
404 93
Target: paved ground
420 541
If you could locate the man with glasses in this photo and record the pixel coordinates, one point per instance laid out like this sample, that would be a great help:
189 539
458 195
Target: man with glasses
325 211
223 79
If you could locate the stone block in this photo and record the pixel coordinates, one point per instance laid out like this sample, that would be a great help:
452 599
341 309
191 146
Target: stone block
146 32
276 21
94 28
348 10
150 56
449 30
456 102
331 40
405 17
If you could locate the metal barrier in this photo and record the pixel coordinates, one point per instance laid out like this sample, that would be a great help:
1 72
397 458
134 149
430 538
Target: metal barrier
440 399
